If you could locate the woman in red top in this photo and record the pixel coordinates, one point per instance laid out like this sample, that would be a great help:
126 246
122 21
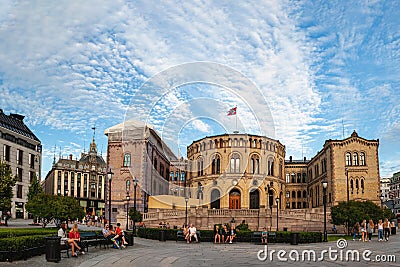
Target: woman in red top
76 237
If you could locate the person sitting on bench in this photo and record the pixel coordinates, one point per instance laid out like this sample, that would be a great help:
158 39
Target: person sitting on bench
232 234
264 236
192 232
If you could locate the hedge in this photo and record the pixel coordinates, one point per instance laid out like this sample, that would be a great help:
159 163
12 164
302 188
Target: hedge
13 232
242 236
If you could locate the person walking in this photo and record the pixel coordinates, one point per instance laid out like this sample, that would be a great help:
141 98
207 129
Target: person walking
370 229
386 229
380 230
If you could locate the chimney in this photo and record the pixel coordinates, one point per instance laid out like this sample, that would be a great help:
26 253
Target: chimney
17 116
290 159
70 156
305 159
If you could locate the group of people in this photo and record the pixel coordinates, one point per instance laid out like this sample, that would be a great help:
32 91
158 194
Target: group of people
163 225
72 239
116 236
189 232
227 235
363 232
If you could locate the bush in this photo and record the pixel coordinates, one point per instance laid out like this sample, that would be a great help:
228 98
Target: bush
12 232
242 236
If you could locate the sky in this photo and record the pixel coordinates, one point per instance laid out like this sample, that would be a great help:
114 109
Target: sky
298 71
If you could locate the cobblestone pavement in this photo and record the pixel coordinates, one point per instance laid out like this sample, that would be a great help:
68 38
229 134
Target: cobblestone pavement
155 253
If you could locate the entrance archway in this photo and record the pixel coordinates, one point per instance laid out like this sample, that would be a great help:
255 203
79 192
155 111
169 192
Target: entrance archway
215 195
234 199
254 199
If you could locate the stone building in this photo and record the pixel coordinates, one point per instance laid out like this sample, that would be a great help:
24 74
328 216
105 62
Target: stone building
22 153
243 171
136 152
395 193
83 179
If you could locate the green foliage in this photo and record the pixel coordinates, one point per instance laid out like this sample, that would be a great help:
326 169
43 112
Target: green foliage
7 182
34 188
135 215
59 208
242 236
14 232
243 227
356 211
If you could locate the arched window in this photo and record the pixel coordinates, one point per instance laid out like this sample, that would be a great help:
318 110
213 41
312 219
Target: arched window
155 163
362 186
348 159
357 185
362 159
304 178
127 160
216 165
255 164
298 194
281 169
254 199
235 163
200 166
293 194
298 177
271 166
351 185
215 195
355 159
128 185
293 177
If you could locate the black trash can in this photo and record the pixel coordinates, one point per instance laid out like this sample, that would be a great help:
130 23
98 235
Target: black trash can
393 232
129 238
53 248
294 238
162 235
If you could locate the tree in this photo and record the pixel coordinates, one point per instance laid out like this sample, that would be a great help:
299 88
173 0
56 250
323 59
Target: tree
135 215
7 183
348 213
58 208
34 189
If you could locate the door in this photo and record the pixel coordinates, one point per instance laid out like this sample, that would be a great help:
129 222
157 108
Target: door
234 199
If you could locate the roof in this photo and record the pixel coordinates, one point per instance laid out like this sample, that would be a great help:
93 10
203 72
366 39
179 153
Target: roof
128 125
14 123
99 160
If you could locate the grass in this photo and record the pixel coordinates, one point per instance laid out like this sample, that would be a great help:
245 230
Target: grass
337 237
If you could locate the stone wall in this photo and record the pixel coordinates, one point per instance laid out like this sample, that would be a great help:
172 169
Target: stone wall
203 218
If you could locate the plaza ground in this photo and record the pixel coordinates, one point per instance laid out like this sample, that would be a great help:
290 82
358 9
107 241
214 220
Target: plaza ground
155 253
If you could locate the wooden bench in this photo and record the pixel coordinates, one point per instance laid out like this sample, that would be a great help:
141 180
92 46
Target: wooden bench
271 237
255 238
92 239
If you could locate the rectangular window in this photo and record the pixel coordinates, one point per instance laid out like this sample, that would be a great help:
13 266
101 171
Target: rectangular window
176 176
72 184
171 176
287 178
6 153
19 191
182 176
31 161
59 183
19 174
31 175
85 194
78 185
65 183
99 187
20 156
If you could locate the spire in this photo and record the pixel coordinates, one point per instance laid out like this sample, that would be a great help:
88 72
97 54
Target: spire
94 132
54 155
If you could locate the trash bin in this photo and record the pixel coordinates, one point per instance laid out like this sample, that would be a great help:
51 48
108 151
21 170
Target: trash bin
129 238
161 235
294 238
393 232
53 250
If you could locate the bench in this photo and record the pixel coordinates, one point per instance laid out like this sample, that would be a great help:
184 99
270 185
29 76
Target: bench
64 248
180 236
255 238
92 239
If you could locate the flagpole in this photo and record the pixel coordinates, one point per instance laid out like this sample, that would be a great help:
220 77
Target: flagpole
236 130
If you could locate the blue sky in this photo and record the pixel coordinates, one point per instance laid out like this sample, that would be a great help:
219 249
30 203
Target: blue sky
309 65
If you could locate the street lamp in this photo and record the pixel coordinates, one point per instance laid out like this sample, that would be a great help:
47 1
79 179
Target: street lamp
277 213
186 200
127 209
347 178
135 183
267 202
324 186
109 176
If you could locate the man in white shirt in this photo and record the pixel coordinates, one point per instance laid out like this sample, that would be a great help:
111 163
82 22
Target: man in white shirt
192 231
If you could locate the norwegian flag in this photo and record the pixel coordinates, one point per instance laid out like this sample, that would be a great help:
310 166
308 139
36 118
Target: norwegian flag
232 111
